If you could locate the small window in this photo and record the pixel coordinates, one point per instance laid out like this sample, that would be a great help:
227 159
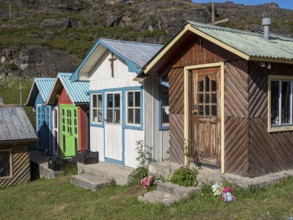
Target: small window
113 108
5 164
97 100
164 106
133 107
280 97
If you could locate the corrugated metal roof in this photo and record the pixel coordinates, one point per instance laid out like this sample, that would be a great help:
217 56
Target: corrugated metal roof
137 52
42 85
15 125
45 86
251 44
77 91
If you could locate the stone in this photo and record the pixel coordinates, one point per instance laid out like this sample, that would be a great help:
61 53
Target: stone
89 181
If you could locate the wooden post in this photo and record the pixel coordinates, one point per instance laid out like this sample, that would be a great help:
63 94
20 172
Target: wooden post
20 91
112 59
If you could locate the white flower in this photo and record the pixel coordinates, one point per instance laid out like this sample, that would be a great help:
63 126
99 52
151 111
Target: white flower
217 189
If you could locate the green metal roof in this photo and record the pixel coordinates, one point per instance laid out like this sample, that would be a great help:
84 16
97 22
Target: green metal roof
251 44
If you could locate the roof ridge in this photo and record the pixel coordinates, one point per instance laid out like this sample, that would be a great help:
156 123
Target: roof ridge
131 42
221 28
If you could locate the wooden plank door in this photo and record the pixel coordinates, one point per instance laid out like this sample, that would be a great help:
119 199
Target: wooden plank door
69 130
206 115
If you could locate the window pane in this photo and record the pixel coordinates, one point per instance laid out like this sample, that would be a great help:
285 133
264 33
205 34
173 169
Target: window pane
117 100
214 98
110 100
165 114
95 115
117 116
200 98
99 115
137 99
137 116
94 101
75 130
214 110
75 122
109 115
75 113
214 86
285 102
274 102
207 99
200 110
64 143
207 110
4 163
207 83
165 97
130 116
100 101
130 99
75 144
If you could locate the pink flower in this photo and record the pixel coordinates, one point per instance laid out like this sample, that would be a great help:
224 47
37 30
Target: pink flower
147 182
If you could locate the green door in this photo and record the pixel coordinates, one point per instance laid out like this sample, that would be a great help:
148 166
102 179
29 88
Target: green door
68 130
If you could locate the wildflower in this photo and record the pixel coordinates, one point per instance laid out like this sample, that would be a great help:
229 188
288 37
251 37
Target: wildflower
217 189
147 182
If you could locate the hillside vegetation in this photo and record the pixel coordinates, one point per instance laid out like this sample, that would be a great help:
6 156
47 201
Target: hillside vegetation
43 37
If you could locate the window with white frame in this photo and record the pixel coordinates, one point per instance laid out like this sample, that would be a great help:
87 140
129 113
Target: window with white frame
133 107
280 103
113 108
164 106
97 101
5 164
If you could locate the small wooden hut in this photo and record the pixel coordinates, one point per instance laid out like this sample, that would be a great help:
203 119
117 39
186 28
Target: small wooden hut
16 135
231 98
72 99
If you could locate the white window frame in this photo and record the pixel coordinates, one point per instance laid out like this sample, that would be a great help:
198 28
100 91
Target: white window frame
133 107
113 108
10 161
285 126
96 108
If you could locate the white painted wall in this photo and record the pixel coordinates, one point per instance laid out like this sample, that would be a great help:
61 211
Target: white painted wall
157 140
102 78
131 136
97 141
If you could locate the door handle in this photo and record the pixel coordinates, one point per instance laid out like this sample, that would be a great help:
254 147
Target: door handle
195 111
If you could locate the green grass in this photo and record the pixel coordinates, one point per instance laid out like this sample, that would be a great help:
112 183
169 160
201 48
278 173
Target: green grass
58 199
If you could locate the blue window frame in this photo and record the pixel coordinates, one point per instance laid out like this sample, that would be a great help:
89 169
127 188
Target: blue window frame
97 108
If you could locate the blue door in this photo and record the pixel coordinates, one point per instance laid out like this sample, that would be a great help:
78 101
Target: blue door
43 130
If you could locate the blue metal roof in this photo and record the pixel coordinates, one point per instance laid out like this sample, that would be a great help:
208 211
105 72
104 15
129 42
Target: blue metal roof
77 91
42 85
135 54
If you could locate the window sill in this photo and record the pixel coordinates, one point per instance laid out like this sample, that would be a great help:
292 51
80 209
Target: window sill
133 127
280 128
164 128
5 177
100 125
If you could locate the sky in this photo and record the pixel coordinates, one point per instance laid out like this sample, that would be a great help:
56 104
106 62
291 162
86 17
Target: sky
288 4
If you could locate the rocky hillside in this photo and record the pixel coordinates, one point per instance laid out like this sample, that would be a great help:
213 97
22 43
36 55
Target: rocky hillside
43 37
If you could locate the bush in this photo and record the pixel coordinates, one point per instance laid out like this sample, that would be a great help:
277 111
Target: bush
184 176
138 174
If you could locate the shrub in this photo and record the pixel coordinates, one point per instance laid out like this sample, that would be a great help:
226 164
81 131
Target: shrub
138 174
184 176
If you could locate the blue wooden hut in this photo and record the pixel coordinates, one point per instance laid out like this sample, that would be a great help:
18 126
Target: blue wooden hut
45 126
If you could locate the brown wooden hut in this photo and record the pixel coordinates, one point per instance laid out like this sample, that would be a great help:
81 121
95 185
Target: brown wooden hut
16 135
231 98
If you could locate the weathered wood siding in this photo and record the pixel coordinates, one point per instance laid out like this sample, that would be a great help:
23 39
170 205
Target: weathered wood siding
20 165
176 106
268 152
236 117
191 50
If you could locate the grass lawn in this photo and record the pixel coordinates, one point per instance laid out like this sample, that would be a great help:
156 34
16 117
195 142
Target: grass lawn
59 199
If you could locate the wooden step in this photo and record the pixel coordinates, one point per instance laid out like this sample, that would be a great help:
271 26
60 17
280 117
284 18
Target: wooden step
89 181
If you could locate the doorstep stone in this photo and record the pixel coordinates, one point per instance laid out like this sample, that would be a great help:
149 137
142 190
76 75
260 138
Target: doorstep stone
88 181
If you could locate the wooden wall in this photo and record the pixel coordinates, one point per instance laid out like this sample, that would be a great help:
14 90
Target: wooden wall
20 165
191 50
268 152
236 117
